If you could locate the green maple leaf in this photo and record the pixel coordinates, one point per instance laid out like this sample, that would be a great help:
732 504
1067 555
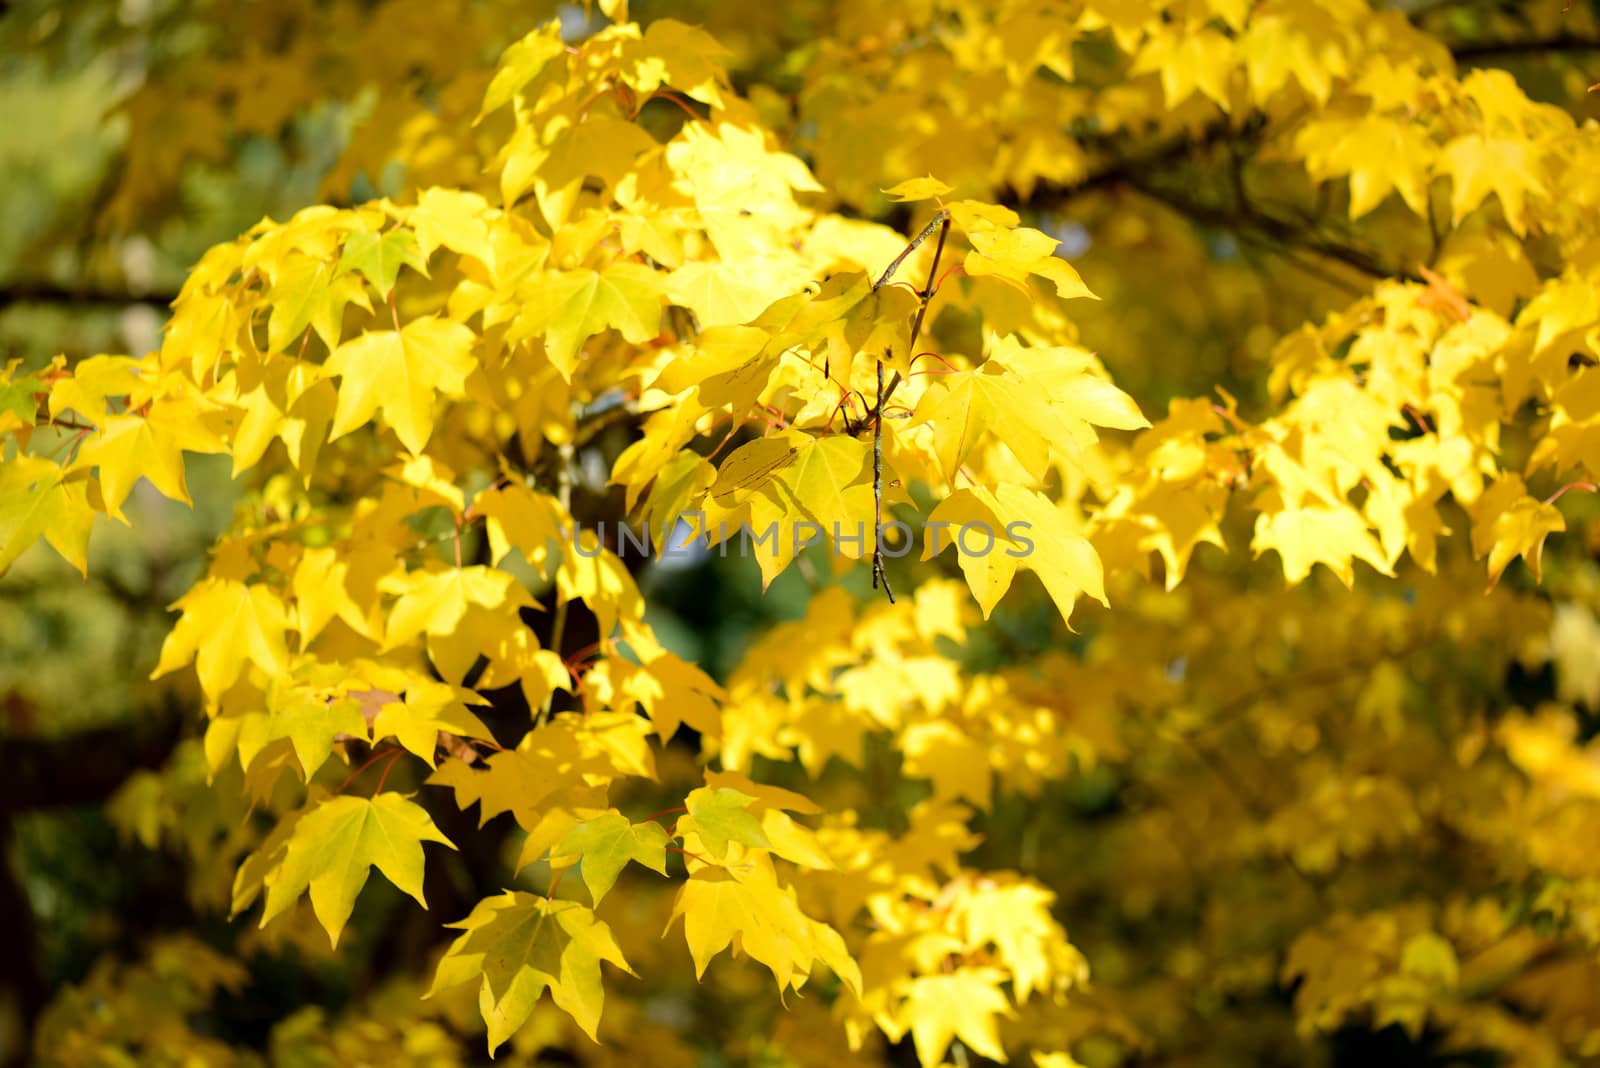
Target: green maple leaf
34 501
309 292
378 257
721 815
606 844
518 945
18 396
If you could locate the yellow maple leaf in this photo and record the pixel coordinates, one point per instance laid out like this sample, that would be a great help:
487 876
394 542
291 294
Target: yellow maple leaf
434 602
226 624
335 846
1038 402
569 307
723 294
454 219
128 447
550 768
522 63
927 188
326 583
35 502
599 578
92 382
794 488
287 399
955 762
720 816
963 1004
1188 62
1379 154
1319 534
1483 165
745 902
996 532
309 292
988 569
428 708
401 373
1013 254
521 518
1507 523
1014 916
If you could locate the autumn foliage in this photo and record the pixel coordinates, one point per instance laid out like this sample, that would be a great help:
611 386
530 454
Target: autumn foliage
1222 694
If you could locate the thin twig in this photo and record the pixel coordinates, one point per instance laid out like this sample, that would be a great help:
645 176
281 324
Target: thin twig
943 219
558 625
924 298
940 219
878 572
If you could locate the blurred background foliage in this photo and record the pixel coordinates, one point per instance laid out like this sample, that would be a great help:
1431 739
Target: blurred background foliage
97 230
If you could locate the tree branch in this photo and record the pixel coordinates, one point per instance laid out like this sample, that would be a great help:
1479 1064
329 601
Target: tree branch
84 767
1119 169
1135 171
1557 45
35 291
1260 228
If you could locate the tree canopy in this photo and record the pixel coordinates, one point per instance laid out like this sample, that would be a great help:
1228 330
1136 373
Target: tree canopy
918 533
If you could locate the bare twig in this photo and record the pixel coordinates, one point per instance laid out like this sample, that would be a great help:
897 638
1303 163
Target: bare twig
941 222
878 573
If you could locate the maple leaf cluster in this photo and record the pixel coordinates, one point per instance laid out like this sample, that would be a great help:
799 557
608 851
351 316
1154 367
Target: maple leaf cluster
838 310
